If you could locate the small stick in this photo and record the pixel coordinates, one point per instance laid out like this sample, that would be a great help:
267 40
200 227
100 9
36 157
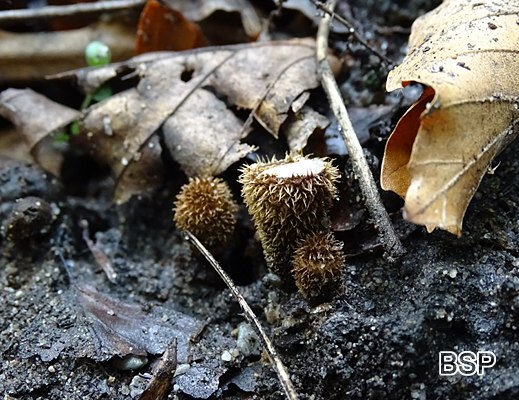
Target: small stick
69 10
99 255
353 31
280 368
387 233
160 384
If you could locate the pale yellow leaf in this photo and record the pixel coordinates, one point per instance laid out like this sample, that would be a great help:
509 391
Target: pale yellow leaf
466 53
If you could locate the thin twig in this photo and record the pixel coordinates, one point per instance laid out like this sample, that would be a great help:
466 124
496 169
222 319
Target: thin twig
353 31
387 233
69 10
280 368
99 255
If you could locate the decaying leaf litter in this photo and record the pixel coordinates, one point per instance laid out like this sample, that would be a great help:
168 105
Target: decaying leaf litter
182 94
444 145
155 267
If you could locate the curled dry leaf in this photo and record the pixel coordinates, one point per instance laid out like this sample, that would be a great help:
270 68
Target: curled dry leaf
37 118
13 146
466 53
163 28
200 10
191 95
301 125
121 328
98 326
160 383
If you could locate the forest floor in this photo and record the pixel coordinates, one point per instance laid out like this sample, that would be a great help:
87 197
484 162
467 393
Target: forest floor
62 320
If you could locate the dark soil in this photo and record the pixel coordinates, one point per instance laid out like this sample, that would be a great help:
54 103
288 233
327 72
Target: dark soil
378 339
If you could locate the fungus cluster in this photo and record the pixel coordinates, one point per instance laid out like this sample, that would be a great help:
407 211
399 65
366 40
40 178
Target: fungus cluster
289 201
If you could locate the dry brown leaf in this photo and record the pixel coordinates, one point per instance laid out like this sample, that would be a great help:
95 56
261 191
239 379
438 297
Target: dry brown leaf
163 28
160 383
13 146
99 326
200 10
123 328
301 126
25 56
191 95
37 118
466 53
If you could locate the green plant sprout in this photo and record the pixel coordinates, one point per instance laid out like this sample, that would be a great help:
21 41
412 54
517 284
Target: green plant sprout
97 54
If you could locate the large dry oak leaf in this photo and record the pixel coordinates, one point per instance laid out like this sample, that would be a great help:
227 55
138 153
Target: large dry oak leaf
192 96
196 105
466 54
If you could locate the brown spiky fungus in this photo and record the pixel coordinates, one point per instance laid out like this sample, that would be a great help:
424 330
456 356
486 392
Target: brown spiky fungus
317 265
206 208
288 200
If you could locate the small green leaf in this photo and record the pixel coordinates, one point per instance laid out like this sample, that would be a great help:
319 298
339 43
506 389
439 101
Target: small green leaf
97 54
74 128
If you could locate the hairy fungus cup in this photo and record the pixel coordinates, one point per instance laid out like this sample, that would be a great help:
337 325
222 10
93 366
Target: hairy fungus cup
317 265
205 207
288 200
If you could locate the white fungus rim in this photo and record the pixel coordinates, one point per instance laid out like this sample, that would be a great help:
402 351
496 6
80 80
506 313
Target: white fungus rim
305 167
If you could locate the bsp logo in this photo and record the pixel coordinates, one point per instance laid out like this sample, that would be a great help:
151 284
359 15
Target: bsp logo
465 363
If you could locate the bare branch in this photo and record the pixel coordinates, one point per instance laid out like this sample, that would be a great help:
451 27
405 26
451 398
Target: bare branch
69 10
280 368
387 233
353 31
